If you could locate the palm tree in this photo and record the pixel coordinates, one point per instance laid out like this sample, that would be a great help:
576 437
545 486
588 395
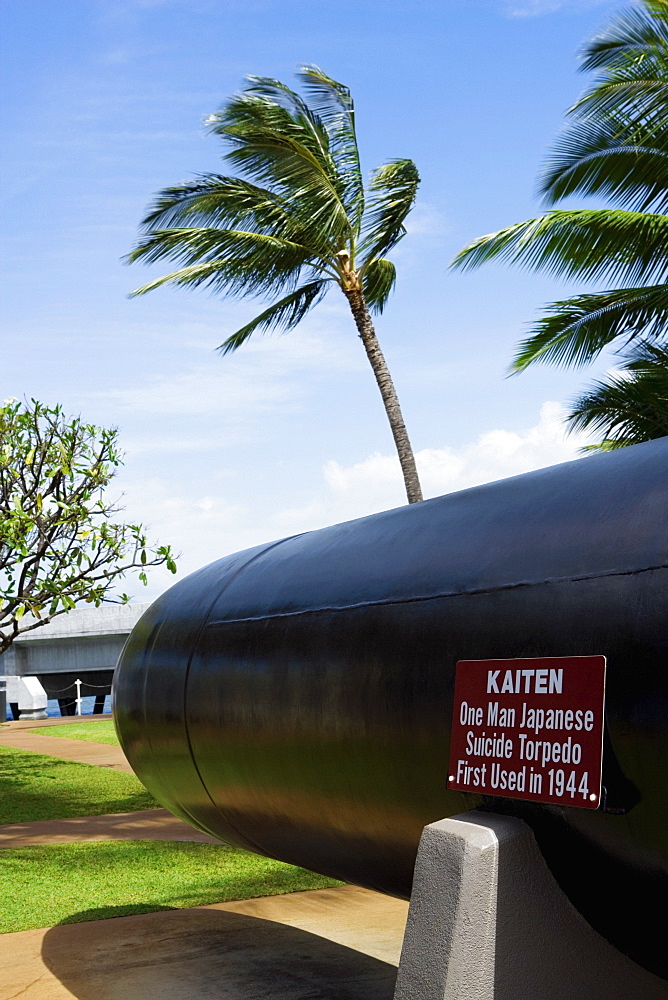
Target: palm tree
629 407
294 223
616 144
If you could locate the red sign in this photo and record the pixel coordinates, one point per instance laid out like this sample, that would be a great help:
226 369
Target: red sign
529 729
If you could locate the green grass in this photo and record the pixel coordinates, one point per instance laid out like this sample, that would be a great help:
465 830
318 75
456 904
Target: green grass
92 732
70 883
35 787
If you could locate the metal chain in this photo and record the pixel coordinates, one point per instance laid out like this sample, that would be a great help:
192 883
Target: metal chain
99 687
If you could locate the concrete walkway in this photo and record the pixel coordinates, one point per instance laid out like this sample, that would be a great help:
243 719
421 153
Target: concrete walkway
14 734
148 824
53 720
326 944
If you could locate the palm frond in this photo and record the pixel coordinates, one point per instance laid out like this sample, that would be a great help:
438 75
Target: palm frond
334 106
578 328
378 279
198 243
209 275
284 314
631 56
645 357
637 32
264 109
631 246
316 132
644 97
276 92
608 444
393 187
276 149
628 407
623 113
245 262
615 143
613 156
215 200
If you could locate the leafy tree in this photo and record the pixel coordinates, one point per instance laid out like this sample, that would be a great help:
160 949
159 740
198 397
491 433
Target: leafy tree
294 222
615 144
58 543
631 406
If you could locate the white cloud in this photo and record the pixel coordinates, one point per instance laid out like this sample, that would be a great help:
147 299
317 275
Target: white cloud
199 528
375 484
201 391
426 225
205 524
536 8
125 8
533 8
269 375
426 220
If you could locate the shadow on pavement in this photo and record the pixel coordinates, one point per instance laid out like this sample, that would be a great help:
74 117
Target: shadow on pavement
206 954
107 912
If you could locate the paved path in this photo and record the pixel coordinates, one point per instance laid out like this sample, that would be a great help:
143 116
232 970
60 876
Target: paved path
102 754
326 944
148 824
54 720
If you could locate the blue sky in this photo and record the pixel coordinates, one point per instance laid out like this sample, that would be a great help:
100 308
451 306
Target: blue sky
104 105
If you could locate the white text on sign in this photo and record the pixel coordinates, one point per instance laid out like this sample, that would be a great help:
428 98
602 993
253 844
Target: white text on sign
529 728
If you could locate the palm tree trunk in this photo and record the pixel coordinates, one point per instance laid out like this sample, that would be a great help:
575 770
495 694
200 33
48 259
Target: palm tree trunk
368 337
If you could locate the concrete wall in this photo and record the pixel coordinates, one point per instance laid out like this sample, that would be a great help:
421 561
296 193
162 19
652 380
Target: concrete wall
83 639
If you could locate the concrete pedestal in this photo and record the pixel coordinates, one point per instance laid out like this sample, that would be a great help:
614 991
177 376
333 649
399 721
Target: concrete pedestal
30 696
487 921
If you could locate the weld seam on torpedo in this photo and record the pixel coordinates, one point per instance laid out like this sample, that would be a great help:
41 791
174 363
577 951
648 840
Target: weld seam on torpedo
222 590
435 597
